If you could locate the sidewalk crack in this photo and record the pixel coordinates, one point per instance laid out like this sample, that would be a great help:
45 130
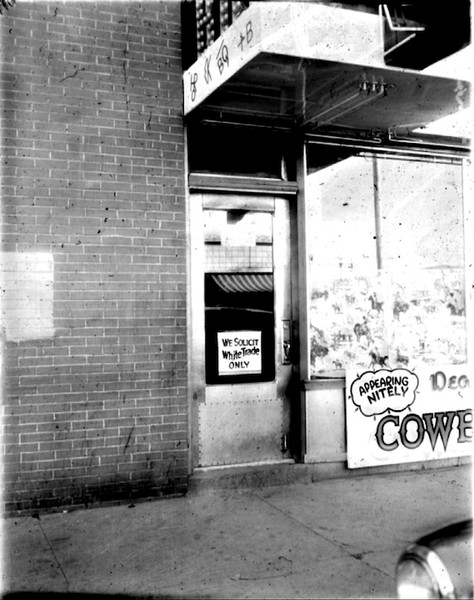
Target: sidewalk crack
58 564
345 547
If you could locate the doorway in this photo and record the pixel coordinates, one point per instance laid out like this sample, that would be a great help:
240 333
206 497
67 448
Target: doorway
242 331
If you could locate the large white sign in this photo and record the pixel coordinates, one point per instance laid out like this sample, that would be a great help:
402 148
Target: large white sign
398 416
239 352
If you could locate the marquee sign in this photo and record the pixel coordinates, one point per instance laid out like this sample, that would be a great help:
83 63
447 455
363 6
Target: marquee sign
309 30
233 49
399 416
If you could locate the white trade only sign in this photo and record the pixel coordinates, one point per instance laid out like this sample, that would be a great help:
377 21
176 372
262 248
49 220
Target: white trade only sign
239 352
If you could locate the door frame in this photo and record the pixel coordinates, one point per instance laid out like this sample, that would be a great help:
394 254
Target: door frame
200 199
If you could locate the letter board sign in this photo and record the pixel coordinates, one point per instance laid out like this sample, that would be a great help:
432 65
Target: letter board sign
397 415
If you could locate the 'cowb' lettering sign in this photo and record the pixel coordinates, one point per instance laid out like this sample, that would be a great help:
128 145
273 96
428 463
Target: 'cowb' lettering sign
239 352
397 416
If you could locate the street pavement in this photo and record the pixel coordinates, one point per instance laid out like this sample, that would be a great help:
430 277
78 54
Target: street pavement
336 538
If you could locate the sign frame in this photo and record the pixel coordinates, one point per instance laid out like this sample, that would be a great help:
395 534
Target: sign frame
396 416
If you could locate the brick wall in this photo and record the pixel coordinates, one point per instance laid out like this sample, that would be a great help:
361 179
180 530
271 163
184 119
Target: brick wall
93 253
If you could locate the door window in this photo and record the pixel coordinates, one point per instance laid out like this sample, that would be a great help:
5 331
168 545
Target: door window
239 296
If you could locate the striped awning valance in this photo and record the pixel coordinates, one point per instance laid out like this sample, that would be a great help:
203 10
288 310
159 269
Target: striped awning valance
244 282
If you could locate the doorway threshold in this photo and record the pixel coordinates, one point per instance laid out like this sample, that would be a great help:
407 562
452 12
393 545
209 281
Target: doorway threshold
260 463
248 475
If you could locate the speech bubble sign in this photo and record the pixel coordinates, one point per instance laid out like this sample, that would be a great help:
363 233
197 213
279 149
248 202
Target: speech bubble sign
377 392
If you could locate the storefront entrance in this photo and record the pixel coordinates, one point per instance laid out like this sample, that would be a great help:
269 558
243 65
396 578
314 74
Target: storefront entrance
242 329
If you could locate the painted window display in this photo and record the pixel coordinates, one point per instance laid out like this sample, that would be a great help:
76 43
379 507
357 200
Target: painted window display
386 257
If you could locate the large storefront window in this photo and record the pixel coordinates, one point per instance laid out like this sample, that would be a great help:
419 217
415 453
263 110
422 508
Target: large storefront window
386 264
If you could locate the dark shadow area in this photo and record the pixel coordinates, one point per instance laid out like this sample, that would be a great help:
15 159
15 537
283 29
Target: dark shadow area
92 596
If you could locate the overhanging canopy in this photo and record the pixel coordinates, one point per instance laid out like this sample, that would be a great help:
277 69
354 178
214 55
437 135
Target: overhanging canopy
311 70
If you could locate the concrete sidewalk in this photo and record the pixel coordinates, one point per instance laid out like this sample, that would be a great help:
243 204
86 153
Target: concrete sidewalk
336 538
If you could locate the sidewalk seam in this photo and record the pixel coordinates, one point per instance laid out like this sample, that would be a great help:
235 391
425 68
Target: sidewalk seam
345 547
54 555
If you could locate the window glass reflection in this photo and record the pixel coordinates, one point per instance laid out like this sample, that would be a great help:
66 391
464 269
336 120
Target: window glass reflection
386 256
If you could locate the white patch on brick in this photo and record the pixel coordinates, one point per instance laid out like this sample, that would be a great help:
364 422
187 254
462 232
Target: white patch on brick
26 300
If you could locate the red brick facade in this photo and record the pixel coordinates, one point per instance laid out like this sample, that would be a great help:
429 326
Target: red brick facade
94 253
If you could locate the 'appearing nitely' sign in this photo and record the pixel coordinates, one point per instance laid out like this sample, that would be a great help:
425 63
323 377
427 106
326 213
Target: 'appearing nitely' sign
239 352
396 416
376 392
